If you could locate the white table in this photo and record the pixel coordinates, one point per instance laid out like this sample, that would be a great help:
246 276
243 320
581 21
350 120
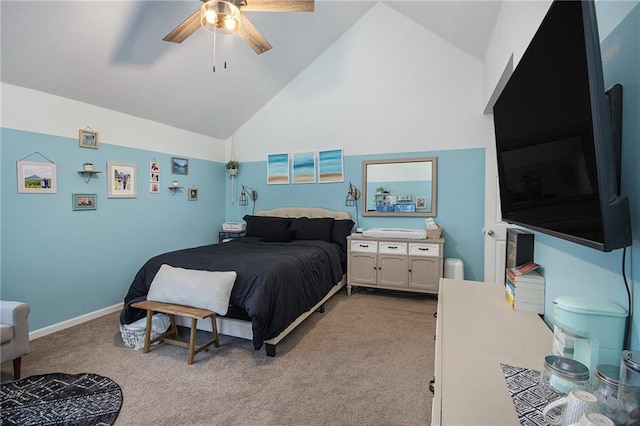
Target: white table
476 331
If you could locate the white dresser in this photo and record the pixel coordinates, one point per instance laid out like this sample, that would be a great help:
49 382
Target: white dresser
394 263
476 331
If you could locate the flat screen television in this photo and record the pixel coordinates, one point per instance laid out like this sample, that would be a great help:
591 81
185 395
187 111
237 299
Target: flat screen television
558 159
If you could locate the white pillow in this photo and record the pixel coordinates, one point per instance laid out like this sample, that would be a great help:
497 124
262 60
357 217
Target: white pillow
209 290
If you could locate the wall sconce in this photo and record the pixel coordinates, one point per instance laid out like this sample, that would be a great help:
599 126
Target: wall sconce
353 195
253 194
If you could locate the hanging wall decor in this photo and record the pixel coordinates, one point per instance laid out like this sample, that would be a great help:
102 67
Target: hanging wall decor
303 167
87 138
36 177
278 169
154 177
330 166
179 166
192 194
84 202
121 181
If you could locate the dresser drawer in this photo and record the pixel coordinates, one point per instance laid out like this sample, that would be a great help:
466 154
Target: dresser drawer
392 248
364 246
424 249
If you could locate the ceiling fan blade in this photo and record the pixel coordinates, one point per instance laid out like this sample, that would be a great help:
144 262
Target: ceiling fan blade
185 29
252 36
277 6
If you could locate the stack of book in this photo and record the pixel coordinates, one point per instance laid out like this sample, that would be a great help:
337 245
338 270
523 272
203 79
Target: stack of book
525 289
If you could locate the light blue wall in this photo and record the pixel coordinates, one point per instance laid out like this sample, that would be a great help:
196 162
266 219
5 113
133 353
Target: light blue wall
574 270
460 202
68 263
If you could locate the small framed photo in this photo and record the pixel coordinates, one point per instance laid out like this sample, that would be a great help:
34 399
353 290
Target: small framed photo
421 202
84 202
37 177
154 167
179 166
88 139
121 181
193 194
154 188
154 177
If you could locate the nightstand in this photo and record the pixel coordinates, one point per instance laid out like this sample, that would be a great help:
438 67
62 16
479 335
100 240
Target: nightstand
222 234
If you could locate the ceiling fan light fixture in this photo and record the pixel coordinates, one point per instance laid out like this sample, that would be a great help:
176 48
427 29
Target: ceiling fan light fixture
220 16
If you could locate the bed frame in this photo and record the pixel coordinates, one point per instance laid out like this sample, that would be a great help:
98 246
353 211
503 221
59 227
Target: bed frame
241 328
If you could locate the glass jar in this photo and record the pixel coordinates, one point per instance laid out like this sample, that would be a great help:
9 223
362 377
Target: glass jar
605 388
629 386
561 375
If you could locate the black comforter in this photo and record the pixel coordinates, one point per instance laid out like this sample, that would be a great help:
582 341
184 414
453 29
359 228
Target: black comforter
276 281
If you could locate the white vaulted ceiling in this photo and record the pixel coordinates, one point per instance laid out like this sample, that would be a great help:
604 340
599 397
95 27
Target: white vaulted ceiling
111 53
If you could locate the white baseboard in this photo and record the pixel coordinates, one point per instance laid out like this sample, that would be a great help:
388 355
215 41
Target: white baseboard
74 321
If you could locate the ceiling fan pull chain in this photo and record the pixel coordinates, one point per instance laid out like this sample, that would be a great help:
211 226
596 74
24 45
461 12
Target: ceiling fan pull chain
214 51
224 51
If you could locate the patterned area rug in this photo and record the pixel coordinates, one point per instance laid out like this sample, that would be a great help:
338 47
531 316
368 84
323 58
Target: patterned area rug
523 384
60 399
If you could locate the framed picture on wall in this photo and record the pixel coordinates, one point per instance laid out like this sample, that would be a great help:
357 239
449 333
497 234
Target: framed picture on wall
179 166
278 169
330 166
192 194
88 139
37 177
303 167
84 202
121 180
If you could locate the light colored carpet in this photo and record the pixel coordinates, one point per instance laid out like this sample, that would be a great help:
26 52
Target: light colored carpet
367 360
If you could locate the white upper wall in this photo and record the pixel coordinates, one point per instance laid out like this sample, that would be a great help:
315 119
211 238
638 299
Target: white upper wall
376 91
517 23
34 111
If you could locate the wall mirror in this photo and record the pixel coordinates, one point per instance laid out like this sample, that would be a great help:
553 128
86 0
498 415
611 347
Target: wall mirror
399 187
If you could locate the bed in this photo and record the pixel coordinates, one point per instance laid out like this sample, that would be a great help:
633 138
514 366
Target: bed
289 263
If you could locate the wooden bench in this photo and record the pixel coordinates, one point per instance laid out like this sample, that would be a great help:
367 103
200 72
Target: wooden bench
186 311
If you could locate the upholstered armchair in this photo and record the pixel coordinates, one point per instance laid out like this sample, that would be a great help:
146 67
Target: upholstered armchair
14 333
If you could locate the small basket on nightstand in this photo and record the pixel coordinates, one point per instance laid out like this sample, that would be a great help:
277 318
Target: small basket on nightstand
433 234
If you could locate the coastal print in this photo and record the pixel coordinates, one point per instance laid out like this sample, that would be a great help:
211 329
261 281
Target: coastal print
278 169
330 166
304 167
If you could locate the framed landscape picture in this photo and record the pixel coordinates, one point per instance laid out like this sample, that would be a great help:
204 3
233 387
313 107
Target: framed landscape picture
330 166
179 166
37 177
278 169
304 167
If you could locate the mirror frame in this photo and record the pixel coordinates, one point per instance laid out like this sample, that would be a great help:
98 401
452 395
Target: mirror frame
434 186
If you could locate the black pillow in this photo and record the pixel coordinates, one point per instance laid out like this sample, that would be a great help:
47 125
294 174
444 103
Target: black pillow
280 237
312 229
341 230
262 226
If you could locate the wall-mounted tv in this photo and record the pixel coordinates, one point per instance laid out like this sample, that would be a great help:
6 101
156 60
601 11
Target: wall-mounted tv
558 159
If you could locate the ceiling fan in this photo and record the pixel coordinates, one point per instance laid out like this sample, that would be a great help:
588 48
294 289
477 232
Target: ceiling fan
227 17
